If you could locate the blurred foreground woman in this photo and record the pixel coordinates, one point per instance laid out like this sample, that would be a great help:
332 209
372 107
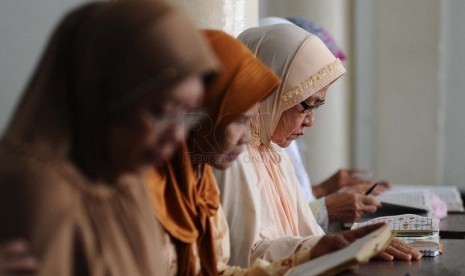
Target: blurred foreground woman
106 102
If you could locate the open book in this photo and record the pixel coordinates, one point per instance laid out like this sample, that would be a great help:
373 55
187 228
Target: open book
360 251
416 196
449 194
406 199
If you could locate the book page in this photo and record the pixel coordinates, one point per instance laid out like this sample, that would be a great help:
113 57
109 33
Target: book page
449 194
411 198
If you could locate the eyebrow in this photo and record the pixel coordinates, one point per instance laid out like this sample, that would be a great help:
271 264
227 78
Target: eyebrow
176 104
315 101
245 116
316 104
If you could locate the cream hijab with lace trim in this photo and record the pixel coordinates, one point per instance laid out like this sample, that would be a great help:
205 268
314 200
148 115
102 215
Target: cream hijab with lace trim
308 67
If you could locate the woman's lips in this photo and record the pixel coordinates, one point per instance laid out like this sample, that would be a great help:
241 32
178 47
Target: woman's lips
297 135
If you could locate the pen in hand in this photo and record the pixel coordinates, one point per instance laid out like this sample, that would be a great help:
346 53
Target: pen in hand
371 188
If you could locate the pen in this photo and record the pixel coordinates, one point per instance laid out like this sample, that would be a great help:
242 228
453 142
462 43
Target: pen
371 188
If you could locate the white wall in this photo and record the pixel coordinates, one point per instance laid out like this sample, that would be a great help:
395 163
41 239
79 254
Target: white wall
231 16
454 87
410 111
24 29
408 87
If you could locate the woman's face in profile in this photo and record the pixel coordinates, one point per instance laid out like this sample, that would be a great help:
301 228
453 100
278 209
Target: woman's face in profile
220 145
230 141
149 134
293 121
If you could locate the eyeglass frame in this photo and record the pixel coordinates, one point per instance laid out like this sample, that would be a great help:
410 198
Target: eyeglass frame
307 108
188 118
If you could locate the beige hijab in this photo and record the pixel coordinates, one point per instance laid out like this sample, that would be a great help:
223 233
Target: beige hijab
103 59
271 204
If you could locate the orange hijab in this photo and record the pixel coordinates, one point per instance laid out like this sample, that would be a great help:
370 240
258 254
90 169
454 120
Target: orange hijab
185 196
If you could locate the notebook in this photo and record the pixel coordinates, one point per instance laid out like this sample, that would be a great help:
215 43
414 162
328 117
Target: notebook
360 251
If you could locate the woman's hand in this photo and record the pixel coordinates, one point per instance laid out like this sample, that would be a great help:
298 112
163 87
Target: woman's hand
349 207
333 242
16 258
342 178
398 250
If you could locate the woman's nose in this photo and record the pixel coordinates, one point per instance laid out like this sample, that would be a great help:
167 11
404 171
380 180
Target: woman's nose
308 120
179 133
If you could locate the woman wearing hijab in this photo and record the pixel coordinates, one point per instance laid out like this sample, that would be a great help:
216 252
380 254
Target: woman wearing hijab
267 214
340 198
186 198
103 106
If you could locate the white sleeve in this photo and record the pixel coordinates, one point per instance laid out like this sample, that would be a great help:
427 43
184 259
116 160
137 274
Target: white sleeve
300 171
320 212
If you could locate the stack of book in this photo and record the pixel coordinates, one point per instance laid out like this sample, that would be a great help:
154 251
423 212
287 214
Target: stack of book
419 232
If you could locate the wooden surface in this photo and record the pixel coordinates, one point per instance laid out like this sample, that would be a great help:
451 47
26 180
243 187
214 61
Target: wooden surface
453 227
451 262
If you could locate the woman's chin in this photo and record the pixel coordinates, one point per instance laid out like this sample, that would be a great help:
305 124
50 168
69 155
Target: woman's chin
284 144
222 166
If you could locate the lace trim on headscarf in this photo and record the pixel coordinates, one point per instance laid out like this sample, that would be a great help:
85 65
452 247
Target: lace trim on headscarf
312 81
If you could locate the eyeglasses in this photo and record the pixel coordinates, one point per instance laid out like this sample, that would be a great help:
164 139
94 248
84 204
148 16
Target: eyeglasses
307 108
160 118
